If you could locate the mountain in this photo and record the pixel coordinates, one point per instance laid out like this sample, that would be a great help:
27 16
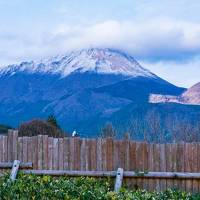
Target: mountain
102 61
189 97
192 95
84 89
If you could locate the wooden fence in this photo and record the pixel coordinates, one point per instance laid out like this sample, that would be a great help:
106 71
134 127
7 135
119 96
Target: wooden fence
108 155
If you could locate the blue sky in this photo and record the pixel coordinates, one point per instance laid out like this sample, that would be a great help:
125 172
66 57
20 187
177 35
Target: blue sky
163 35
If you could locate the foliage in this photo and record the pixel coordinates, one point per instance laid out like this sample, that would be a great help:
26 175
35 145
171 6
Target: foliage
39 127
53 121
4 128
45 187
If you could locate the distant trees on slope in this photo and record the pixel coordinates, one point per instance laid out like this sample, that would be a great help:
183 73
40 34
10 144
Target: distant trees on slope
152 127
108 131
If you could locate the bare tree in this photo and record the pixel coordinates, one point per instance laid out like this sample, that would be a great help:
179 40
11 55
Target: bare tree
108 131
154 127
182 129
136 128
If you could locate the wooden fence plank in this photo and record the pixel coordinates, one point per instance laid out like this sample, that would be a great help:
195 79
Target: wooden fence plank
188 168
139 162
55 154
10 145
83 155
191 157
162 165
109 154
34 141
20 149
77 148
104 159
99 154
198 160
66 153
195 166
180 164
151 166
174 161
145 164
157 164
29 149
132 159
169 164
25 149
127 181
1 150
93 155
45 152
15 142
40 151
50 153
60 154
122 154
72 159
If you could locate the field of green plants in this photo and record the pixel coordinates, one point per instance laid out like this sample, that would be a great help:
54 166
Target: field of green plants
31 187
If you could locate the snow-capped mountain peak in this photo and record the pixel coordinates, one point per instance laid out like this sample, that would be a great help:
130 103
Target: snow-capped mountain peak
106 61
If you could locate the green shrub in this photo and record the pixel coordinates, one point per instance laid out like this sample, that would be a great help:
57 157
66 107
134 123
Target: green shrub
45 187
4 129
31 187
39 127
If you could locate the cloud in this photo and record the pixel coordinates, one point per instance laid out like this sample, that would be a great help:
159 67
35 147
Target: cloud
160 38
154 39
184 74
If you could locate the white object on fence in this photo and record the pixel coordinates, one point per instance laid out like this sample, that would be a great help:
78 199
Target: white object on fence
119 178
14 171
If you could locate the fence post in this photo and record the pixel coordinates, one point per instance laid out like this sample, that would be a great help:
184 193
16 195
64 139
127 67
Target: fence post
14 171
119 178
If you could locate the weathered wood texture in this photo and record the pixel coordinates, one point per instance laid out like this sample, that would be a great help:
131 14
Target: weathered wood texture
77 154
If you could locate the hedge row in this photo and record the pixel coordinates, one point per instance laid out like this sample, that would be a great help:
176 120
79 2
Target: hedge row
31 187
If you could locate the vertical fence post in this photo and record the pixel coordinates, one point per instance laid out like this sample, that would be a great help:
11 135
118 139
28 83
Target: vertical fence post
14 171
119 178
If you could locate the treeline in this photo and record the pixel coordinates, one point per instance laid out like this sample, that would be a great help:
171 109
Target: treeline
153 127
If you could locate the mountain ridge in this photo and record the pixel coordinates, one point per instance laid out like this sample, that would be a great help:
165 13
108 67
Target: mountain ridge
108 61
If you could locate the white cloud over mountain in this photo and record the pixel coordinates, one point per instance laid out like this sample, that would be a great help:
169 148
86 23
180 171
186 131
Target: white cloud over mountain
184 74
160 38
157 40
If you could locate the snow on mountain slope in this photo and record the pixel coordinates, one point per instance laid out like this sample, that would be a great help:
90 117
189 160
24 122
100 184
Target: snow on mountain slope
189 97
192 95
106 61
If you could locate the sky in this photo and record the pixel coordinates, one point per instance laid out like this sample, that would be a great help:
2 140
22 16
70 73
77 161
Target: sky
164 36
